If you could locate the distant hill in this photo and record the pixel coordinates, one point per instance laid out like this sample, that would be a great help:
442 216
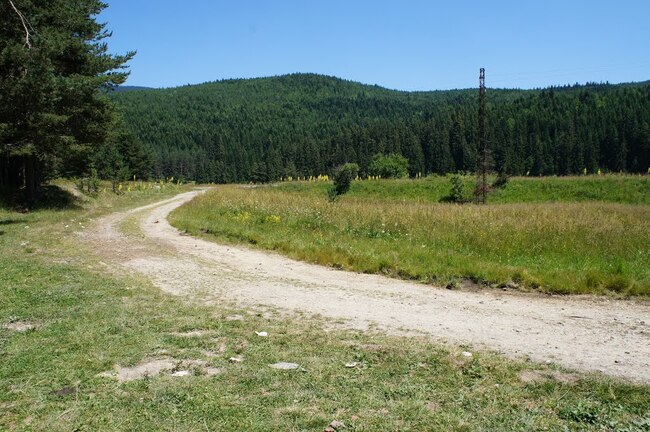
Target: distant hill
123 88
305 124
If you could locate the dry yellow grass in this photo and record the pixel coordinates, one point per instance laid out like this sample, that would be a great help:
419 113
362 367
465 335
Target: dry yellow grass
587 247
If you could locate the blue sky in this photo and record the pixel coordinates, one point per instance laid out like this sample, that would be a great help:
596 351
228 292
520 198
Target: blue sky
406 45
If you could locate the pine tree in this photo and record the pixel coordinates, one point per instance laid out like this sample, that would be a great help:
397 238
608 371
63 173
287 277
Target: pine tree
55 72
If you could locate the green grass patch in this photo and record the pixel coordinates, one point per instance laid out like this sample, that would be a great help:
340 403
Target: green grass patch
551 245
86 321
624 189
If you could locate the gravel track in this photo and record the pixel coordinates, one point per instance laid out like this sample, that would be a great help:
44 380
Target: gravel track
585 333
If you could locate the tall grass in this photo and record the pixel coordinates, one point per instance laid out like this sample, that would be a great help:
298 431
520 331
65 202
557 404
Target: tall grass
622 189
570 247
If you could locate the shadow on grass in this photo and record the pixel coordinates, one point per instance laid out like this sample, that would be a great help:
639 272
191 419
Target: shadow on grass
11 221
48 197
450 199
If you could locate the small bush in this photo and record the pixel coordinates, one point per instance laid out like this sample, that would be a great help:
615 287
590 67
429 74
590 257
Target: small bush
457 194
389 166
90 184
343 177
501 181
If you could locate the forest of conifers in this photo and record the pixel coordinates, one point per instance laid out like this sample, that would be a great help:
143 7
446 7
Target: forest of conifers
305 124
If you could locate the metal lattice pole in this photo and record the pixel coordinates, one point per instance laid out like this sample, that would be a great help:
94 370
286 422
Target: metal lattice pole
482 155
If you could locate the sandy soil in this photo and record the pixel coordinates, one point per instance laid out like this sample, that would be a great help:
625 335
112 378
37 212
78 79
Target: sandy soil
585 333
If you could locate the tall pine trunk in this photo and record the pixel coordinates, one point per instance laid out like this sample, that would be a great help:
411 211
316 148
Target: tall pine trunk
4 171
31 177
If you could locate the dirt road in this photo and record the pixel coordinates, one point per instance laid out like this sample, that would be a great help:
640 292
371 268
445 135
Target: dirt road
594 334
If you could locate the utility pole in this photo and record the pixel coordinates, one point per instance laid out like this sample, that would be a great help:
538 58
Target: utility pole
482 151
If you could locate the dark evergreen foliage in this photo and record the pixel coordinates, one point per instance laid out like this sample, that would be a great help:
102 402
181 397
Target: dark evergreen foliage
305 124
123 157
342 177
54 63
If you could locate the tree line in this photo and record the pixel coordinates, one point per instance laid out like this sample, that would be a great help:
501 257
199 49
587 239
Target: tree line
55 116
60 116
305 124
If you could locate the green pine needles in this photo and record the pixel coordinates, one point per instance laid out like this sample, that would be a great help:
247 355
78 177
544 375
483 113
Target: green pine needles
343 177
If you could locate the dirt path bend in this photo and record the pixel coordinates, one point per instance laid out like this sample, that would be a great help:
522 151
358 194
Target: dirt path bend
593 334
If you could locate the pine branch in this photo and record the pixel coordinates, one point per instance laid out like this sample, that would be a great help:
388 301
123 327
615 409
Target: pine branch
26 25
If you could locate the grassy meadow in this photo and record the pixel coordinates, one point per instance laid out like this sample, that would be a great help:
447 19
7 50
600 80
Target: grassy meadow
86 317
574 235
623 189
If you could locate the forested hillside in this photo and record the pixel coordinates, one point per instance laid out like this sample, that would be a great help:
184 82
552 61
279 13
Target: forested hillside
305 124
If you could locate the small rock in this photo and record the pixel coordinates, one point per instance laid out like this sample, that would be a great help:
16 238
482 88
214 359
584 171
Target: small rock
466 354
329 429
354 418
351 365
20 326
181 373
433 406
65 391
148 368
336 425
285 366
262 334
236 359
191 333
531 376
211 371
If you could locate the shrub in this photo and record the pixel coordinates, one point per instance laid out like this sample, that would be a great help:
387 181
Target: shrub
90 184
457 194
389 166
501 181
343 177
